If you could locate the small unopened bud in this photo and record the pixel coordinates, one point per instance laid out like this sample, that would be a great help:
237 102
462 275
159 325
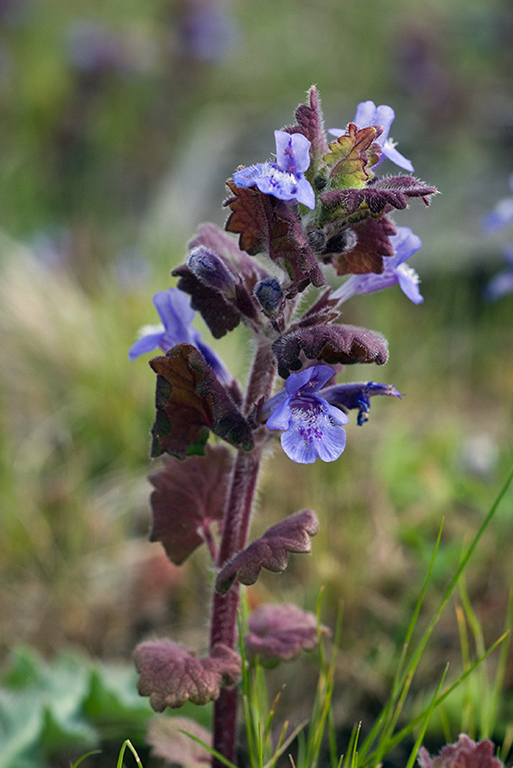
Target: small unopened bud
210 269
269 295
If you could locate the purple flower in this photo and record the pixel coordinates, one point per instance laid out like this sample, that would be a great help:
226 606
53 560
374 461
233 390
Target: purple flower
503 282
502 215
357 395
396 271
176 315
312 428
367 113
284 178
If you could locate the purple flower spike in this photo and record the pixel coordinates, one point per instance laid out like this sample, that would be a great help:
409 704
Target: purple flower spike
176 315
349 396
311 426
283 178
367 114
405 244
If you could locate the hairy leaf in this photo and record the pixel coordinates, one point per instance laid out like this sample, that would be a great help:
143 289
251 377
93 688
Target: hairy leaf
220 315
310 123
168 739
190 401
271 551
188 497
280 632
372 246
251 213
270 224
381 195
329 344
352 155
170 675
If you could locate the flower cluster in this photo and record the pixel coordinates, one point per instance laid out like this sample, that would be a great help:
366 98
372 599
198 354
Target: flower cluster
314 229
318 211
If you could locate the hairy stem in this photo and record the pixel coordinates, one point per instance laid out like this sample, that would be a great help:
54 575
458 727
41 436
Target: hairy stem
236 523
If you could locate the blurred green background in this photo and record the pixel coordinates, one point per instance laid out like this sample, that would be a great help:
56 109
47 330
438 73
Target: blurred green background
119 123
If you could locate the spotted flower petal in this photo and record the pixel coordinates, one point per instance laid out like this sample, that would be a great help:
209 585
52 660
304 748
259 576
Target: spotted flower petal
312 428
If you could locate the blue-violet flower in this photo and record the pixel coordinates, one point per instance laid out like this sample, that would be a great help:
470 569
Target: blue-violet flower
367 113
312 428
503 282
502 215
396 271
283 178
176 315
357 395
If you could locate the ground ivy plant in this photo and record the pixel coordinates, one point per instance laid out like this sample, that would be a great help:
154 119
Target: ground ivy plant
314 229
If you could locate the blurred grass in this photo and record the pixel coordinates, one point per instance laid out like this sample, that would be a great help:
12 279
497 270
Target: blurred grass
106 171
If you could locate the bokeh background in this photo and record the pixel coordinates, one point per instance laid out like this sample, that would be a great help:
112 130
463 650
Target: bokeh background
119 123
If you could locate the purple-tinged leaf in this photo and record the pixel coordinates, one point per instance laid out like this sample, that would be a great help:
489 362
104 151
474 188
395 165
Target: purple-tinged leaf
280 632
271 551
267 224
168 738
190 401
188 497
408 186
372 246
220 315
310 123
329 344
290 249
465 753
171 675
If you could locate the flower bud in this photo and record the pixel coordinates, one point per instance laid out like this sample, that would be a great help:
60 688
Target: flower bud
269 295
210 269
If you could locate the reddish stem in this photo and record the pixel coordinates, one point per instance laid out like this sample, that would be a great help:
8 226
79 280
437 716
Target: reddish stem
236 523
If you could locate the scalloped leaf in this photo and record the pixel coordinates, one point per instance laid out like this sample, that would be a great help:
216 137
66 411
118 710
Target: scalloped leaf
279 632
269 224
251 213
379 196
168 741
171 675
188 497
219 314
271 551
190 401
330 344
372 246
352 155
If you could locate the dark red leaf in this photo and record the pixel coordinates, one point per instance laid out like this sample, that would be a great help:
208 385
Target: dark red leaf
372 246
271 551
280 632
190 401
188 497
170 675
329 344
310 123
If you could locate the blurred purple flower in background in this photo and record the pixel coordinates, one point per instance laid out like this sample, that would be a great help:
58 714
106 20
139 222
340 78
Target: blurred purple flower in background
283 178
502 215
176 315
367 114
396 271
206 29
502 283
311 426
